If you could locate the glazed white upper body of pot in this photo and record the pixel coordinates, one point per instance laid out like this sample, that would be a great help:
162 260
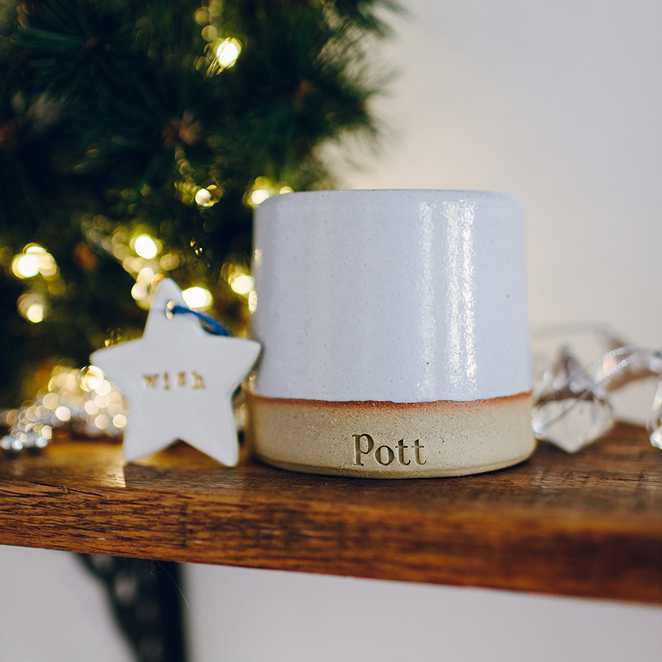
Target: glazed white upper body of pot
391 295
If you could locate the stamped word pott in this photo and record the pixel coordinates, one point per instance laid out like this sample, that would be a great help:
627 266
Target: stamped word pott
394 333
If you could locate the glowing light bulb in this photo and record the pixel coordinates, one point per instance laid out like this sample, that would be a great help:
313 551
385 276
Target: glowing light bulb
25 265
63 413
227 52
35 313
32 307
139 292
203 198
197 297
262 189
242 284
47 266
145 246
258 196
91 378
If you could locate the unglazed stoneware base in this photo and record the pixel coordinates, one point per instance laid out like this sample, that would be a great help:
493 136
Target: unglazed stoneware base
392 440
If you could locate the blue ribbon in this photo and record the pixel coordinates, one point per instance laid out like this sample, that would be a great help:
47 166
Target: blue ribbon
209 323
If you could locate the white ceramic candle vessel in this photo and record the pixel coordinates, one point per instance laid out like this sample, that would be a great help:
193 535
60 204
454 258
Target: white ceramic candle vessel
394 331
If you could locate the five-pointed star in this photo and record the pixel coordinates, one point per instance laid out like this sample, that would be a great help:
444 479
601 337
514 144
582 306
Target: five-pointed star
179 382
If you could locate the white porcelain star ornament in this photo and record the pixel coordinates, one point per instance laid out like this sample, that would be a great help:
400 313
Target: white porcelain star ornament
178 380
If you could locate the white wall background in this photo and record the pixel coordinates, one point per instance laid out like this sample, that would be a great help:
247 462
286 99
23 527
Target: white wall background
560 104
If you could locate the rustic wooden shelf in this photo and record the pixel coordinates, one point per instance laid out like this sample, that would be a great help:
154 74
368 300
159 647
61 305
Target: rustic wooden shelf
585 525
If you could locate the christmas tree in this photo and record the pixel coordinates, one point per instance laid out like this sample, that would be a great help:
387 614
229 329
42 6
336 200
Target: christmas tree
135 141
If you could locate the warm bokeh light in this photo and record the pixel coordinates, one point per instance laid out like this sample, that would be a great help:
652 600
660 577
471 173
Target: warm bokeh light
203 198
91 408
146 275
201 15
209 32
35 313
63 378
264 188
258 196
32 307
46 262
63 413
197 297
34 260
169 261
25 265
91 378
139 292
145 246
209 196
242 284
146 279
227 52
50 401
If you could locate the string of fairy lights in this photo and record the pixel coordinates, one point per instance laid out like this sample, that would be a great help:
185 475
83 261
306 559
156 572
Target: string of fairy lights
140 252
83 399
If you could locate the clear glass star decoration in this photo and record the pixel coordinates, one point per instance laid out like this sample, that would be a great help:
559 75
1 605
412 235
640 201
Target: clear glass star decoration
570 410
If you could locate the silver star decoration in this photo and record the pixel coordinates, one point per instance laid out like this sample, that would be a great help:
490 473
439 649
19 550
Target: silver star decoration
179 381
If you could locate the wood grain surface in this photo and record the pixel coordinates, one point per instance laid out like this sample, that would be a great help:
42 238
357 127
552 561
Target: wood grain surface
584 525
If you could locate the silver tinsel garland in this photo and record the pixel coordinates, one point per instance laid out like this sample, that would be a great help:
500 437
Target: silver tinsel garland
83 400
